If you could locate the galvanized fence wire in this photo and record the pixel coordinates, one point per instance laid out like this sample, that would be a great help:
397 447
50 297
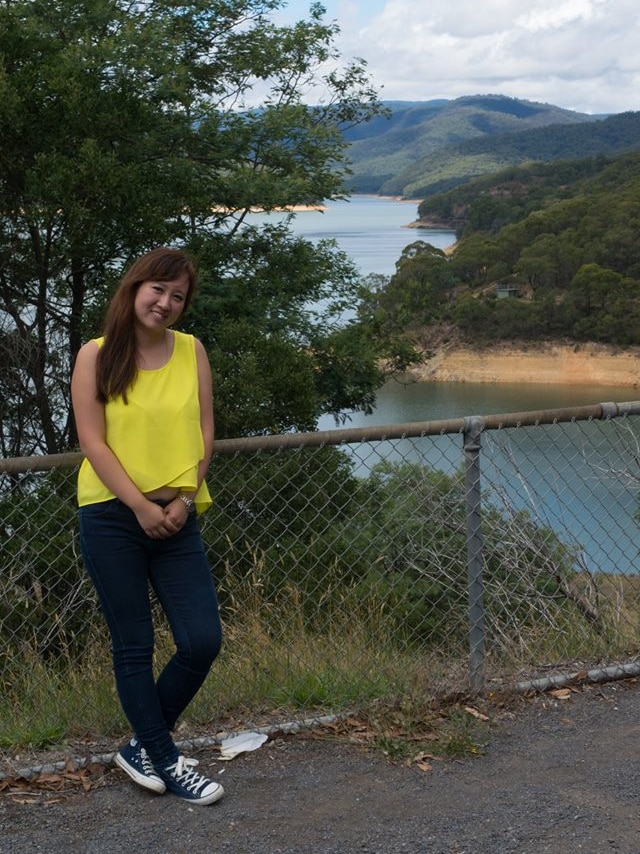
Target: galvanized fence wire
351 565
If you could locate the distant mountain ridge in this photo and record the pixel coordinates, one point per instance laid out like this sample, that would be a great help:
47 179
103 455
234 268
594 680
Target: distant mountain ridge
427 147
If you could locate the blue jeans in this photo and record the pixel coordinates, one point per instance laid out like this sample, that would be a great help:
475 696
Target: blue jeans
122 562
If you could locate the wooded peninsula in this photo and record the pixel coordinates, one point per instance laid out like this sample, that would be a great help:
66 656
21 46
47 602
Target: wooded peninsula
543 284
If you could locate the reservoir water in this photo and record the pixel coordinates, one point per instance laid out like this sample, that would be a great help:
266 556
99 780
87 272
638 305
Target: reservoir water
399 402
572 496
372 230
579 479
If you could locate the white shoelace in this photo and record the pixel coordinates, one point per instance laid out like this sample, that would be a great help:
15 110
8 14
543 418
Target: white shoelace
147 764
189 778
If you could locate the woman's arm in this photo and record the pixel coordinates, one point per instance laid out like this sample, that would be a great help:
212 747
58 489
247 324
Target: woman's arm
90 424
205 393
176 510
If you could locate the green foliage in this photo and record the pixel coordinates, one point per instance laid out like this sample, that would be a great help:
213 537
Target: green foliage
489 149
562 235
283 511
418 290
431 146
282 350
390 550
584 137
125 126
606 305
42 593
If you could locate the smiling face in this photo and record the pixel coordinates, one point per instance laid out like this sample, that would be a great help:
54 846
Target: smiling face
159 304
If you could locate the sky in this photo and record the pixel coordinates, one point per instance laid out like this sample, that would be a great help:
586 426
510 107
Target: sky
583 55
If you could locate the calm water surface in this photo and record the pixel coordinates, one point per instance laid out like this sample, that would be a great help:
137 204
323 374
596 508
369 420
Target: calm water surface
578 479
398 402
543 469
372 230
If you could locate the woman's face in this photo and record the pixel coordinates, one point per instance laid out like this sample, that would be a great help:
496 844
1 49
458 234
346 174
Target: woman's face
159 304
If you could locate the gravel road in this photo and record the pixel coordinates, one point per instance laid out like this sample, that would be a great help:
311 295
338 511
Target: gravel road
556 776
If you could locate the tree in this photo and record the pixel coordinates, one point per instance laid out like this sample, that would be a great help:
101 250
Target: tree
538 263
422 284
127 125
472 315
474 259
603 305
282 349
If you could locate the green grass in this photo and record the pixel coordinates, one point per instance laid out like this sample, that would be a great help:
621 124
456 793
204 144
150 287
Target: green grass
280 670
274 668
46 705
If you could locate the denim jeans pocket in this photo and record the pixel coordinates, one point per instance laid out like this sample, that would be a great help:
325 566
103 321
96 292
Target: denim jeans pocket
99 511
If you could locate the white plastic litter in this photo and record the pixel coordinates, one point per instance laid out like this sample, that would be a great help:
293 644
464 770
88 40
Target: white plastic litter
243 742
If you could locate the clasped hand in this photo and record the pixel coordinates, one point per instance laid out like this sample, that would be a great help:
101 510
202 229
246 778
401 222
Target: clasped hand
158 522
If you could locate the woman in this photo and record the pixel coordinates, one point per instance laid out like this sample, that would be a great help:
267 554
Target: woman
143 406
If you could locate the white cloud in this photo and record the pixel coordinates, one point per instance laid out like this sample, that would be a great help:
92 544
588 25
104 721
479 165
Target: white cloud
574 12
579 54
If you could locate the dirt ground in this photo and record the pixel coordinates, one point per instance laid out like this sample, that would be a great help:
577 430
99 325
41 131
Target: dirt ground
556 775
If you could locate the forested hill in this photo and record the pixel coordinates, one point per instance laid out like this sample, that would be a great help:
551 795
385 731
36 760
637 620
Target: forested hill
450 167
425 148
559 241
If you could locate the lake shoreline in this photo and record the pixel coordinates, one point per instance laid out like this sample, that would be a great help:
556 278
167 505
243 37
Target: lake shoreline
552 364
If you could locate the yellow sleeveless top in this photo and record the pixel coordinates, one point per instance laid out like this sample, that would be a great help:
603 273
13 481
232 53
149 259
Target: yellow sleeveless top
156 435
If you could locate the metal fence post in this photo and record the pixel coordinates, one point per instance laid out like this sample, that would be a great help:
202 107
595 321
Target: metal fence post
472 432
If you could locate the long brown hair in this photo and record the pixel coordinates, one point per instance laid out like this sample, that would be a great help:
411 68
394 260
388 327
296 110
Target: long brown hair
116 367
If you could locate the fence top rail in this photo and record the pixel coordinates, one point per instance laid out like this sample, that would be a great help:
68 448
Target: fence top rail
357 435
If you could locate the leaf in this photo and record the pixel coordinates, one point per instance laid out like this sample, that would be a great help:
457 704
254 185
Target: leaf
476 714
420 761
561 693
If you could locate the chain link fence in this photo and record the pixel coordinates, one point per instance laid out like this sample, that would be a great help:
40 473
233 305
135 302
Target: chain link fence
353 566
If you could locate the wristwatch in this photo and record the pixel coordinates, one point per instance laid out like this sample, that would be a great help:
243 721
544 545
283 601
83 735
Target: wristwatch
189 503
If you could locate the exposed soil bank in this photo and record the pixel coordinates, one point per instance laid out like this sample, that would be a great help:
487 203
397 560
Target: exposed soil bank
571 364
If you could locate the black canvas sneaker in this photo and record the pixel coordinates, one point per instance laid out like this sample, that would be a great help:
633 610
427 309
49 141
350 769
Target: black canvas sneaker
181 779
134 760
